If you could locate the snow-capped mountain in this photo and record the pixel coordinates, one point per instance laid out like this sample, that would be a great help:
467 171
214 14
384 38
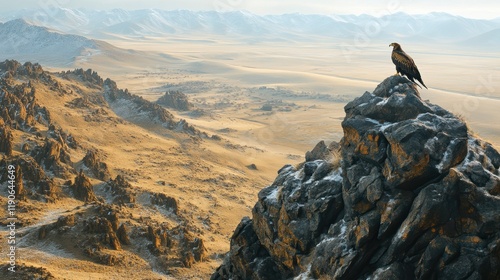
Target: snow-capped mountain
23 41
44 37
439 27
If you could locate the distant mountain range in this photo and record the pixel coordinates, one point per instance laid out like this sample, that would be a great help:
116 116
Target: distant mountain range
30 35
24 41
435 27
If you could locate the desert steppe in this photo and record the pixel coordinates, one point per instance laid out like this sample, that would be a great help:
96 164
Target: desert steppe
229 80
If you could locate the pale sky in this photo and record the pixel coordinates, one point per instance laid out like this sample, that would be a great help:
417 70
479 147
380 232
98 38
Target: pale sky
474 9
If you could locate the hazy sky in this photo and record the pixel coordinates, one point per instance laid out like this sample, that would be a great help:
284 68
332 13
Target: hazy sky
475 9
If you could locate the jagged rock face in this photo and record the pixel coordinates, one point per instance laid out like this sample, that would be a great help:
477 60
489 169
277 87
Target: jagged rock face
97 167
415 197
175 100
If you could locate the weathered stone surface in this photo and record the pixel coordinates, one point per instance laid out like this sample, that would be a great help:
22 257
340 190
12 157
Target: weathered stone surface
122 190
166 201
320 151
98 168
83 189
248 259
103 227
122 235
35 183
415 197
193 250
6 138
54 157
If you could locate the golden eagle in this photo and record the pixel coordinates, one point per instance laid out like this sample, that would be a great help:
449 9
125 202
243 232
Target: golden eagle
405 64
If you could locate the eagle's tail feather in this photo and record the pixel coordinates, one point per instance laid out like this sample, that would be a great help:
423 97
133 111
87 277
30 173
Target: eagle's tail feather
420 80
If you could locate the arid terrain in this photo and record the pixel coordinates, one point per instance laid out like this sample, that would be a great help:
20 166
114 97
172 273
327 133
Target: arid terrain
255 106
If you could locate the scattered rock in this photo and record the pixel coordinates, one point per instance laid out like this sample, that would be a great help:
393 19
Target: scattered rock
267 107
252 166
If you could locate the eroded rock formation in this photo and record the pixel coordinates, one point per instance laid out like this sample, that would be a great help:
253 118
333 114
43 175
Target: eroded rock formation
414 196
175 100
97 167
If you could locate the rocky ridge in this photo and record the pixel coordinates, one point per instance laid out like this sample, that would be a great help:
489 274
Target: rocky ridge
410 194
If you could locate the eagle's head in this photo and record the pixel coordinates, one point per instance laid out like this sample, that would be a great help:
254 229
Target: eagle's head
395 46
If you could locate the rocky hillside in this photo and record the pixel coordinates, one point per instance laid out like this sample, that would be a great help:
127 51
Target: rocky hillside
70 198
410 193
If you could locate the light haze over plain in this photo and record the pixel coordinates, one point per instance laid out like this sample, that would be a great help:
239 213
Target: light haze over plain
481 9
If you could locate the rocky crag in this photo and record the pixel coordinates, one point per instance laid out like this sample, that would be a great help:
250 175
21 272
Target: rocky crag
175 100
409 193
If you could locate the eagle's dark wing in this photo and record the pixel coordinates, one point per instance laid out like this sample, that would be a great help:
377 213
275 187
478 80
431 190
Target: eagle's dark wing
405 65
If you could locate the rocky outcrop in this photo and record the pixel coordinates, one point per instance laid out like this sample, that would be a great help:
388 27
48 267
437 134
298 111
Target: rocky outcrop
122 234
139 110
98 168
18 184
6 138
192 249
175 100
165 201
91 77
119 98
20 109
106 231
177 245
415 197
34 181
24 271
121 190
53 157
82 188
